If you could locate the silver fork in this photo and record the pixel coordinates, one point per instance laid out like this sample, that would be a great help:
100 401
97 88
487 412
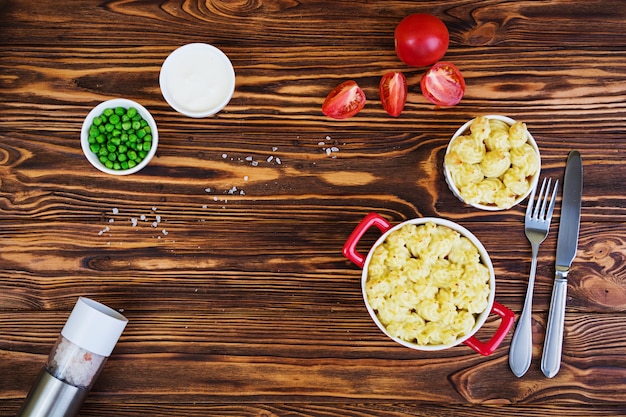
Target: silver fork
536 226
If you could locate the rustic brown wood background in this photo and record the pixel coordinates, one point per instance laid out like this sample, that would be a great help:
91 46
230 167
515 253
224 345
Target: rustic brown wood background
246 306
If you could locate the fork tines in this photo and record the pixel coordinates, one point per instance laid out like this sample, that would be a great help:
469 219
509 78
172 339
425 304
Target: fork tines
539 212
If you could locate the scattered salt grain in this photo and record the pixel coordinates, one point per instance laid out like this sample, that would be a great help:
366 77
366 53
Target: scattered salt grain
224 156
215 198
204 206
269 158
321 143
133 221
142 217
106 229
154 209
164 232
248 158
274 149
208 190
115 210
158 218
232 190
242 192
255 163
155 224
245 178
111 220
278 161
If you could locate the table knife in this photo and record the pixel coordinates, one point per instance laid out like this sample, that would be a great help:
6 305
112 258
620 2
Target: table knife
566 247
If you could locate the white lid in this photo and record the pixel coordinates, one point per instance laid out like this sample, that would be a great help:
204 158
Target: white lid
94 326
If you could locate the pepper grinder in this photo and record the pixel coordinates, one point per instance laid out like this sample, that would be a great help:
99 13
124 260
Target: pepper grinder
78 356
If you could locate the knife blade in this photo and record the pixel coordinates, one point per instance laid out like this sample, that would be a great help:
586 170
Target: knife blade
567 244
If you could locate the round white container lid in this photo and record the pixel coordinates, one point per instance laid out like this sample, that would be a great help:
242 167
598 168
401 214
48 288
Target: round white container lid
94 326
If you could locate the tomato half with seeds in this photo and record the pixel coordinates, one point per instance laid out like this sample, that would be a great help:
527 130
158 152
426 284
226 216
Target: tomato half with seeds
443 84
393 92
346 100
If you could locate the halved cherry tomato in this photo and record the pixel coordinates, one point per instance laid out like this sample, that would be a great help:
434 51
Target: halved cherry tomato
443 84
393 91
346 100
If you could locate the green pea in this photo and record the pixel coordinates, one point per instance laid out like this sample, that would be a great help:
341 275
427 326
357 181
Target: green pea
114 119
94 148
120 111
107 112
132 112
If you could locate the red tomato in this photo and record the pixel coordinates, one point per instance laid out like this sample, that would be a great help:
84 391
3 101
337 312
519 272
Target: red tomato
443 84
393 91
421 39
346 100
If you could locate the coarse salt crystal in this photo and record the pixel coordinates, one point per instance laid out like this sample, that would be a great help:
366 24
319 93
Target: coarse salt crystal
155 224
328 151
164 232
154 209
242 192
321 143
278 161
115 210
204 206
334 149
248 158
245 178
274 149
255 163
215 198
133 220
208 190
142 217
269 158
111 220
224 156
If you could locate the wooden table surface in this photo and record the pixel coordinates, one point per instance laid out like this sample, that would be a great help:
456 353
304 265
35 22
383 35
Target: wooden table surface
240 302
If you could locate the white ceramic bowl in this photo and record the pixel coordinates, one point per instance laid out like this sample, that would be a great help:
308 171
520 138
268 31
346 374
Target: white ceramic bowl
197 80
491 207
96 112
374 220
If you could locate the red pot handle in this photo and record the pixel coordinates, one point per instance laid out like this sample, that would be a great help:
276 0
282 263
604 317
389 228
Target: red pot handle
349 248
487 348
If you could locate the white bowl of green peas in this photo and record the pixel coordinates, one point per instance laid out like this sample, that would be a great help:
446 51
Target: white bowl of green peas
119 136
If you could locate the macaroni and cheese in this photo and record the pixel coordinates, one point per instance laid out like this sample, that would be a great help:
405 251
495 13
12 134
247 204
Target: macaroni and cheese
492 164
427 284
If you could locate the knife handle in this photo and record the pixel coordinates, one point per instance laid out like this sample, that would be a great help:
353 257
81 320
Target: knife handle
552 347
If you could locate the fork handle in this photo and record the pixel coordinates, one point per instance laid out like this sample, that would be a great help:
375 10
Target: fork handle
553 345
521 350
